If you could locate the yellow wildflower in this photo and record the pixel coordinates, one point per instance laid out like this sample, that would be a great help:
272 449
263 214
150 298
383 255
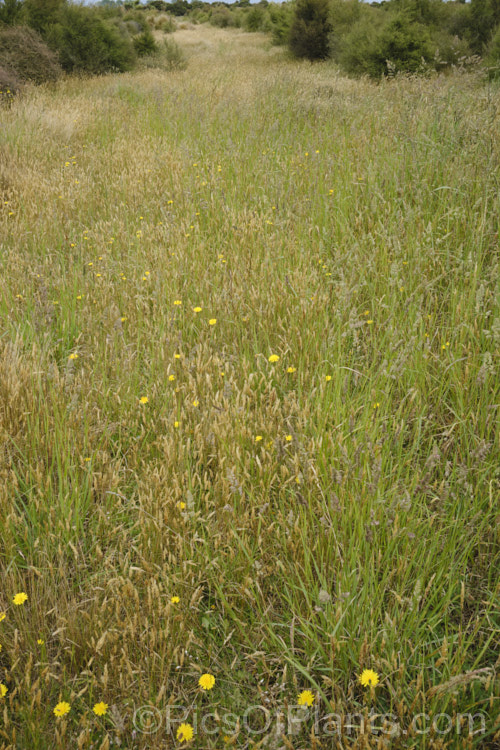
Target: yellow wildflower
62 708
369 678
185 733
206 681
306 698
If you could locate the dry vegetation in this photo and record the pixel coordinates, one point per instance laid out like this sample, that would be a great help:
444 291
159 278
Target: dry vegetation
349 228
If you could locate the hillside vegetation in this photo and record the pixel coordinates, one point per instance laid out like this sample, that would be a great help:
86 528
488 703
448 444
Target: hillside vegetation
249 337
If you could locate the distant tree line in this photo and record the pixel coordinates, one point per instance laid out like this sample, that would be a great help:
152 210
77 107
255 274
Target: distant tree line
39 39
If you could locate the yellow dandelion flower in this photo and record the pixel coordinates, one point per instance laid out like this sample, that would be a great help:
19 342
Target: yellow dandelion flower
181 505
62 708
206 681
369 678
196 403
306 698
369 322
144 399
185 733
273 358
177 356
171 378
196 309
258 438
328 378
79 296
288 438
212 321
175 600
177 302
3 690
74 355
3 615
176 424
20 598
100 708
291 369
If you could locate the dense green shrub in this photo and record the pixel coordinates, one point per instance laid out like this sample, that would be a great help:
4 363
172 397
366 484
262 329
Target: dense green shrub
221 17
344 15
357 51
484 19
405 43
86 43
310 29
144 43
280 21
378 45
254 19
26 56
10 11
42 14
492 56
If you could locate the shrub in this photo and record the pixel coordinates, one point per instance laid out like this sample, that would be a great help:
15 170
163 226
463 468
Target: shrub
165 24
25 55
344 14
357 51
310 29
484 18
169 56
254 19
86 43
10 11
221 17
492 57
378 46
42 14
405 44
280 17
144 43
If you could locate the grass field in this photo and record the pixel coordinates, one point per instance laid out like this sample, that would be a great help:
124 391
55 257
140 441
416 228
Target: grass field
249 406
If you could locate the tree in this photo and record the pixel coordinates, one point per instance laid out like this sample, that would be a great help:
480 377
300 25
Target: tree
310 30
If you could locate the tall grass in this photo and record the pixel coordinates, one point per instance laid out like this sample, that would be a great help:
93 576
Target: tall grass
352 230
